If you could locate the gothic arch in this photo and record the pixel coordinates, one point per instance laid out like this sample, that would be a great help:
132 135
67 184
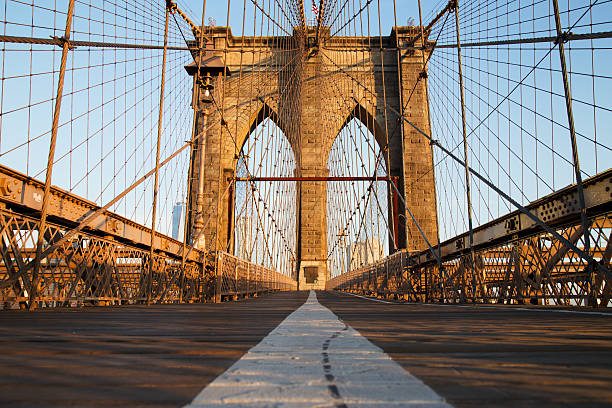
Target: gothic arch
363 115
257 231
259 116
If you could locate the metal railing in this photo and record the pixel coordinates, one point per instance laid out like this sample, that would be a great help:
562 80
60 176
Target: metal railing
515 262
531 270
386 277
240 278
93 270
89 269
108 262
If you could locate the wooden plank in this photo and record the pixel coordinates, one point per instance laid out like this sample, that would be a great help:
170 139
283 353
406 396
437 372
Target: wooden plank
128 356
491 356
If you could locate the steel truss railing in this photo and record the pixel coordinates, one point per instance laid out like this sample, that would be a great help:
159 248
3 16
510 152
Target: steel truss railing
239 278
514 262
108 263
90 269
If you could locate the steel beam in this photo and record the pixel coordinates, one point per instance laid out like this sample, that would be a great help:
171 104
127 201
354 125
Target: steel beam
330 178
23 195
558 209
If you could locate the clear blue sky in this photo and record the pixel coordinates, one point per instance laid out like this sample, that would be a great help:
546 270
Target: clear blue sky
103 151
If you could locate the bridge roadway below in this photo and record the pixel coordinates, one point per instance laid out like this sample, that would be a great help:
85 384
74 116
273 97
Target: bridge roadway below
166 355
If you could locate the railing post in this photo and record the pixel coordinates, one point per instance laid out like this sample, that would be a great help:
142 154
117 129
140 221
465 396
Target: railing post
388 286
54 126
158 148
218 277
572 128
237 289
426 297
441 283
465 148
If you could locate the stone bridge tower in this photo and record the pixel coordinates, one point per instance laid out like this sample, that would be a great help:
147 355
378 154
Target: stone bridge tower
311 93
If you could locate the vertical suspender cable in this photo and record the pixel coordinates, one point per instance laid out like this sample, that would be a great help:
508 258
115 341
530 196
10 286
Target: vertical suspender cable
465 149
426 86
54 127
572 129
159 132
400 73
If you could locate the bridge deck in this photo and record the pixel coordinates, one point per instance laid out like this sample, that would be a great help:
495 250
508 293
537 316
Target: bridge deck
164 355
128 356
481 356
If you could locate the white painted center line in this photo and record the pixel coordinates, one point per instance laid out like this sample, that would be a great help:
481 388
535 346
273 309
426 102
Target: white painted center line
312 359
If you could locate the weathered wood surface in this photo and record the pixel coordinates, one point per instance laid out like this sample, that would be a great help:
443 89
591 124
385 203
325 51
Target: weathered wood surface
128 356
163 355
481 356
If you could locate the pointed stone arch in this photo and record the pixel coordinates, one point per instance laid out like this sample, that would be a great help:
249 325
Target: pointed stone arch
250 230
365 116
352 243
311 99
265 111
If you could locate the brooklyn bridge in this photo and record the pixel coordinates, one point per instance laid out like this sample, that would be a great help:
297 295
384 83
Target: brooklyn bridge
284 203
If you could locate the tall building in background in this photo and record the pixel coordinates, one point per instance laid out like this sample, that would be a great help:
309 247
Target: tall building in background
363 253
178 221
243 237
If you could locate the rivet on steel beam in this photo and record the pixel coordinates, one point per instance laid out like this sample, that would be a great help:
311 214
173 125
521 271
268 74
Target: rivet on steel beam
114 225
6 186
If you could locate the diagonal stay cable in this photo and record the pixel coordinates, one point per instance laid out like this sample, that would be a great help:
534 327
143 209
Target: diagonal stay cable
524 210
518 84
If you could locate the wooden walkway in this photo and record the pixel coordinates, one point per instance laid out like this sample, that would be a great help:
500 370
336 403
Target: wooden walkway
128 356
489 356
163 356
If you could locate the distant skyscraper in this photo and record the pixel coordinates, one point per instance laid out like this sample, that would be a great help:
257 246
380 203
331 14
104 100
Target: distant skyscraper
178 221
363 253
243 237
